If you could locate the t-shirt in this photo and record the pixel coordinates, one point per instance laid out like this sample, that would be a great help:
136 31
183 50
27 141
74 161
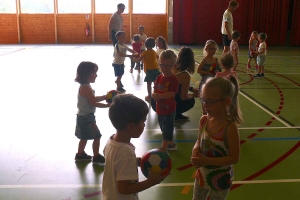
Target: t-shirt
150 61
136 46
234 49
120 164
143 38
117 22
263 45
119 48
162 85
227 17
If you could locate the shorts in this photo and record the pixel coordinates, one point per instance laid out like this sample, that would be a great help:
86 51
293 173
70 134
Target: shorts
166 124
119 69
86 127
261 59
249 54
226 41
151 75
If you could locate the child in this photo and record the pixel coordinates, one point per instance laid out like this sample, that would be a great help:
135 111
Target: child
128 114
227 62
161 45
252 48
218 144
119 57
234 48
86 127
151 66
209 64
165 87
136 46
261 55
143 37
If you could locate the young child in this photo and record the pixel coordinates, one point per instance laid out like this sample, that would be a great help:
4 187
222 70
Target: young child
261 55
227 62
136 46
252 48
209 64
165 87
218 144
127 114
143 37
234 48
86 127
119 56
161 45
151 66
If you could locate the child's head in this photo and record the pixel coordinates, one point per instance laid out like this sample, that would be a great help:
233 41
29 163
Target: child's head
86 72
121 36
210 47
167 60
161 43
150 42
186 60
227 61
254 34
236 35
141 29
262 37
127 109
136 38
220 96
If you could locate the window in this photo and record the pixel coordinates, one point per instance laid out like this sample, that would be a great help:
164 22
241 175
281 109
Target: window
74 6
36 6
8 6
109 6
149 6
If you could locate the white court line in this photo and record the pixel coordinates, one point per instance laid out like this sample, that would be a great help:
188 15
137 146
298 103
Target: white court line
159 185
245 128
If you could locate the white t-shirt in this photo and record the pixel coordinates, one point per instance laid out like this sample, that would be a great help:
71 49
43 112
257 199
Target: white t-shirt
120 164
116 22
263 45
119 48
234 49
227 17
143 38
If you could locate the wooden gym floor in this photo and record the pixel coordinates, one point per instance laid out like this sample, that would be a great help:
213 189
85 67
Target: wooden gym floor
38 112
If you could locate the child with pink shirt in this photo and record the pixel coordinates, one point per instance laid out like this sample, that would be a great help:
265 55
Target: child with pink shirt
226 62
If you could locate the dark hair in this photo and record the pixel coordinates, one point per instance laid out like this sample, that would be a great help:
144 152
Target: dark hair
227 60
120 5
150 42
162 40
141 27
136 38
119 33
186 60
126 109
263 36
235 34
84 70
233 3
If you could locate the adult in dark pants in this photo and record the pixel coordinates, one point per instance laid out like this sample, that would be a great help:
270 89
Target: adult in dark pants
116 23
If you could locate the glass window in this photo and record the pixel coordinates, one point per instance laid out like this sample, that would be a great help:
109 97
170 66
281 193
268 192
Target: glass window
149 6
74 6
8 6
109 6
37 6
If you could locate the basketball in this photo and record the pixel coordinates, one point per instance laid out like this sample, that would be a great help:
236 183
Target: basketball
110 95
157 161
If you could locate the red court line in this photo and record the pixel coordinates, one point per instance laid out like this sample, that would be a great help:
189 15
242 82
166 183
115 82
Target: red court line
12 52
284 77
92 194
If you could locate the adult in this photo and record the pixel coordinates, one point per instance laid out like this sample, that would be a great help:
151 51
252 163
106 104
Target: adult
116 23
227 25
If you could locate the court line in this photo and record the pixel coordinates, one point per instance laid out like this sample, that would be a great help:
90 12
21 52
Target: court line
159 185
263 139
241 128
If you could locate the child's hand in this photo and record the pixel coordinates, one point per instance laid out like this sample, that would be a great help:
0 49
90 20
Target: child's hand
198 160
155 178
156 96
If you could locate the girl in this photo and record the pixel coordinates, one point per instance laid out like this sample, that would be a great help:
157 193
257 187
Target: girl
252 48
136 46
227 62
86 128
209 65
234 48
151 65
218 144
161 45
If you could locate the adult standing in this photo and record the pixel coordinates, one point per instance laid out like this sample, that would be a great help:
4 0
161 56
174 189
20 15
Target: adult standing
116 23
227 25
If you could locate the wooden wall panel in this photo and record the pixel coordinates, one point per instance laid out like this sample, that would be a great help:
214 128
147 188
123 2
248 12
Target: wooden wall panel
37 28
8 29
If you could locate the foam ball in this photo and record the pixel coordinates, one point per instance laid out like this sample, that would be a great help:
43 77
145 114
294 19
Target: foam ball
110 95
197 84
156 161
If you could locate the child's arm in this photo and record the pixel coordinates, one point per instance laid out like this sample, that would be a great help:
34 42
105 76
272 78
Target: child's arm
250 43
140 58
262 51
195 151
167 95
87 92
200 71
100 98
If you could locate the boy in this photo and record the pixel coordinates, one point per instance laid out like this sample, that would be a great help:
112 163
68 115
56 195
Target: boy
234 48
119 57
261 55
165 87
143 37
127 114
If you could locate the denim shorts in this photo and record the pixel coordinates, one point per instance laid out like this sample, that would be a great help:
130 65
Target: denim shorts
151 75
119 69
166 124
86 127
261 59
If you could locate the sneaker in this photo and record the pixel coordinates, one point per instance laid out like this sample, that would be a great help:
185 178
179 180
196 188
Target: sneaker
262 75
256 76
120 89
248 66
136 68
147 98
172 147
181 117
83 157
142 66
121 85
98 159
163 150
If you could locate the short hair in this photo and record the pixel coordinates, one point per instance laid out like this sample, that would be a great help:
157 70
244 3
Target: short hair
126 109
262 36
227 60
233 3
136 38
255 32
150 42
168 54
141 27
84 70
120 5
119 33
235 34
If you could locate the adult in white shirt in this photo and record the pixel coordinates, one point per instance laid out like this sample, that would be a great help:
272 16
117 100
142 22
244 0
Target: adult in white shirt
116 23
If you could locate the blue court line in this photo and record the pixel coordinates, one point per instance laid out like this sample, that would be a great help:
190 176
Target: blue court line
177 141
276 139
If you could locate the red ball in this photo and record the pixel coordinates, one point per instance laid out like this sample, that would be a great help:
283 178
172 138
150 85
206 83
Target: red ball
110 95
253 53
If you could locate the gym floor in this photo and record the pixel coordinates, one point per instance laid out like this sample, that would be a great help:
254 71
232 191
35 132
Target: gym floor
38 112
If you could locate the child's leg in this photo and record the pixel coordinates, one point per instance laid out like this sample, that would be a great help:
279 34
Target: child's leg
149 89
199 193
218 194
166 124
248 63
81 146
118 81
96 146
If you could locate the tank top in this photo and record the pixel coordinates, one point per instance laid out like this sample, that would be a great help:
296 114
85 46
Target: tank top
83 104
254 44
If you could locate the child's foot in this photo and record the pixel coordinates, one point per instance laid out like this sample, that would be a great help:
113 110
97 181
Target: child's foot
121 85
147 98
256 76
131 70
98 159
83 157
262 75
181 117
120 89
172 147
256 67
248 66
163 149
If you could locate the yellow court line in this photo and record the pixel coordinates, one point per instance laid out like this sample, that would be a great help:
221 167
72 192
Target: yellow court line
186 189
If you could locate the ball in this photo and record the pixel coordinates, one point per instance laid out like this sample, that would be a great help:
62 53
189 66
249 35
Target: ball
253 53
156 161
110 95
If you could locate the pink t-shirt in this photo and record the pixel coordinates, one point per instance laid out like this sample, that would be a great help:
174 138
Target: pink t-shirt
226 73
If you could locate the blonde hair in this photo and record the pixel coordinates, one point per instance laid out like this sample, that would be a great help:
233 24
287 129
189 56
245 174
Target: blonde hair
227 60
168 54
209 42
